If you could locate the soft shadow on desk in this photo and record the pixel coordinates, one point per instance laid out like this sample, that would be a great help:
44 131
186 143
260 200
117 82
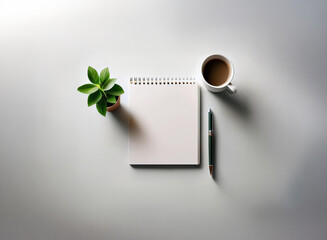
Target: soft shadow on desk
238 102
166 166
239 105
123 116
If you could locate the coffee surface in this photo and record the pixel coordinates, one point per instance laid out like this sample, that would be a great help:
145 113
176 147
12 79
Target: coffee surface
216 72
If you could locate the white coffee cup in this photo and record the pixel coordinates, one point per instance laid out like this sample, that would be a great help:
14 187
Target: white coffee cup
223 83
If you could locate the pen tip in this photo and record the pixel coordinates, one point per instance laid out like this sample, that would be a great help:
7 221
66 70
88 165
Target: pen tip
210 169
209 109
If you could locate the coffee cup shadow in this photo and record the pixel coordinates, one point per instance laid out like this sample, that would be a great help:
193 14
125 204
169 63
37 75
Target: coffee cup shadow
239 103
240 107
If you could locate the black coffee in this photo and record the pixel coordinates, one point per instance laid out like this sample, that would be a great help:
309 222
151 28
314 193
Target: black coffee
216 72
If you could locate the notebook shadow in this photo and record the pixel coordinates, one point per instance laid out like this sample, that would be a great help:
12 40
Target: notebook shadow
167 166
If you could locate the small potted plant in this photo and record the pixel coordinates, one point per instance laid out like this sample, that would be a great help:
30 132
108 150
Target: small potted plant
103 91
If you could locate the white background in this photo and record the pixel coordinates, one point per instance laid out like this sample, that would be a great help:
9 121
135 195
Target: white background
64 171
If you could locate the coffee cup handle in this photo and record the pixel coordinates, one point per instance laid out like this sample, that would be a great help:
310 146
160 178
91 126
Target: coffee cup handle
231 88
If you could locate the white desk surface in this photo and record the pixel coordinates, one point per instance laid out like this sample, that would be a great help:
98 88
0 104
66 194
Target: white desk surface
64 172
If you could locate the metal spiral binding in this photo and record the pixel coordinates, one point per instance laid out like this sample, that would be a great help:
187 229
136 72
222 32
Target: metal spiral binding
161 81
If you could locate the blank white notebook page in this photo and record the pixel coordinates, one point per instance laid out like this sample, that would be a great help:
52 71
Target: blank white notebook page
164 122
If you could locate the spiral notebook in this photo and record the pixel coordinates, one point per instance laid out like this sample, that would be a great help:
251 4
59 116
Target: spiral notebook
164 121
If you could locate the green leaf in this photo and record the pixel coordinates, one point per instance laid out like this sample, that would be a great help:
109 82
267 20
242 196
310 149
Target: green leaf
94 98
102 106
116 90
111 99
109 84
104 75
93 75
88 88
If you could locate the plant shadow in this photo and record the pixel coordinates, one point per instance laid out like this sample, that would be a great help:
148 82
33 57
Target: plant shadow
126 120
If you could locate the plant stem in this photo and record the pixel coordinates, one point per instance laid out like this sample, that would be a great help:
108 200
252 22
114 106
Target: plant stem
105 95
